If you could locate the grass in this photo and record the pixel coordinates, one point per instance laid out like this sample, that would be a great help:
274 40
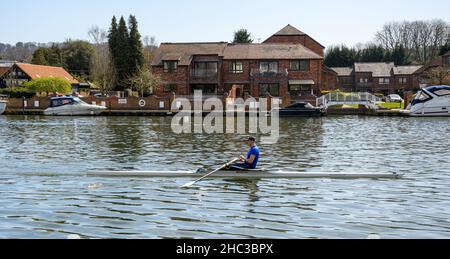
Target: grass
391 106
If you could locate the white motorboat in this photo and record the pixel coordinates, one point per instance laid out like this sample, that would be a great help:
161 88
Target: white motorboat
72 106
3 103
431 101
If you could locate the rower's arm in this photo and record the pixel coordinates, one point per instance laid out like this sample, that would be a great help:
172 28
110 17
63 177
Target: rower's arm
251 159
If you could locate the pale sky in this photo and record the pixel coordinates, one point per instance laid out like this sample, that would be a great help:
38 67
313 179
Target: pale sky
329 22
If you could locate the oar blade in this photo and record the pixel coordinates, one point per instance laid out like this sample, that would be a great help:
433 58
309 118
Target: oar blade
188 185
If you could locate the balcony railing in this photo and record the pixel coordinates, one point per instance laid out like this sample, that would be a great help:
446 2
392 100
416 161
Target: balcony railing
273 73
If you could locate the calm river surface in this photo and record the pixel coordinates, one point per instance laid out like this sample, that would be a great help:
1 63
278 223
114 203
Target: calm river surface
45 192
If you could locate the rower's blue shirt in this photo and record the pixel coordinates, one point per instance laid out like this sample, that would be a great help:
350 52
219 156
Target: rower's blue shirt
253 151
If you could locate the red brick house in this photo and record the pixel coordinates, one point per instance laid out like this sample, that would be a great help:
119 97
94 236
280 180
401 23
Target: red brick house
289 63
439 62
383 78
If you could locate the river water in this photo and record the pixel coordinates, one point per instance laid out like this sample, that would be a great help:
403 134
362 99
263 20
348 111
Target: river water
45 192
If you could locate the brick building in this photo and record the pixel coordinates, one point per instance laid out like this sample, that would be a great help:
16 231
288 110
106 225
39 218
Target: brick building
383 78
289 63
439 62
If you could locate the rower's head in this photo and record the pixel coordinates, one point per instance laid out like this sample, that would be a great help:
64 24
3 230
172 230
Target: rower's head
251 141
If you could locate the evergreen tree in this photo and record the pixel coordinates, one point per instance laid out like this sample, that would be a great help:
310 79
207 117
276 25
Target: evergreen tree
40 57
340 56
399 56
135 47
242 36
373 53
77 57
444 49
112 43
121 54
55 56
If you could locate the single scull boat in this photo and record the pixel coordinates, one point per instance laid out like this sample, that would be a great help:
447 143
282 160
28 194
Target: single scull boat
250 174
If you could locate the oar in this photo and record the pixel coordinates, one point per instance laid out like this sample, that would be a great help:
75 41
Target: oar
209 174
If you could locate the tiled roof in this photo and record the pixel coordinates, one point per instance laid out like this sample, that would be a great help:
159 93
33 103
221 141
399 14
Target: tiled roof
447 54
289 30
183 52
268 51
436 62
343 71
377 69
37 71
3 70
405 70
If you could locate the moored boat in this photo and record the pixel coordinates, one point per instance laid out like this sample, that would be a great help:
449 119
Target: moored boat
72 106
249 174
431 101
3 103
301 109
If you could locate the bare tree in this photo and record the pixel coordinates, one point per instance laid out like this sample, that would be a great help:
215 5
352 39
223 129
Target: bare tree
150 46
421 39
102 69
438 76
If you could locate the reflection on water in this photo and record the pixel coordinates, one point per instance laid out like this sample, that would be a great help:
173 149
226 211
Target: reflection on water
46 193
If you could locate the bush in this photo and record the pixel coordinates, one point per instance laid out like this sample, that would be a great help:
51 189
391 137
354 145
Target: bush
18 92
49 85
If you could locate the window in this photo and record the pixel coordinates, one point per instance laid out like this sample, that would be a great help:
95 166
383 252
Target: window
170 66
265 67
403 80
363 80
421 98
448 60
272 89
345 80
384 81
442 92
205 69
170 88
300 88
299 65
236 67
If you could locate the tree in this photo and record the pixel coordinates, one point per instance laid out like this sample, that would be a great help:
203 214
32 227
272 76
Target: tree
40 57
101 68
135 46
119 45
399 56
144 81
126 50
341 56
421 39
77 57
49 85
242 36
438 76
444 49
149 48
372 53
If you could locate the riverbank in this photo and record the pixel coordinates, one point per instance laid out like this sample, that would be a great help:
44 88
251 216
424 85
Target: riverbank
152 106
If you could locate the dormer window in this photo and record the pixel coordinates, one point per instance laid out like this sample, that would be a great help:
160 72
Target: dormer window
170 66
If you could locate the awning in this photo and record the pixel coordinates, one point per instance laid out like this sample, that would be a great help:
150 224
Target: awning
302 82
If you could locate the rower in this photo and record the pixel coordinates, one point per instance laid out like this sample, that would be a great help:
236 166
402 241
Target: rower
251 162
